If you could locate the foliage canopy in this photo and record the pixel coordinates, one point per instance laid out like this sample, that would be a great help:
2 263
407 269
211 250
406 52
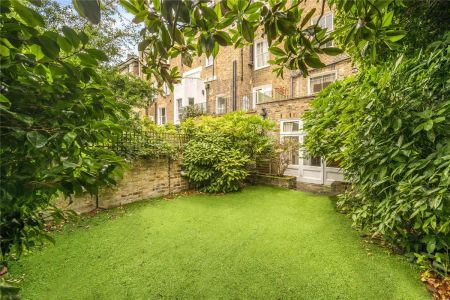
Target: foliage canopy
389 128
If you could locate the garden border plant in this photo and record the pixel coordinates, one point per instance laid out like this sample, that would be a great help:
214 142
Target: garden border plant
220 149
389 127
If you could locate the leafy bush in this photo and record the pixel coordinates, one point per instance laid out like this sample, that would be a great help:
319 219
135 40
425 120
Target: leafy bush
221 148
192 111
54 108
389 127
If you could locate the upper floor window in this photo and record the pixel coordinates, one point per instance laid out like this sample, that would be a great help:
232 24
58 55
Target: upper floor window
325 22
318 83
191 101
179 103
290 126
261 49
209 61
162 115
245 103
262 94
221 105
166 89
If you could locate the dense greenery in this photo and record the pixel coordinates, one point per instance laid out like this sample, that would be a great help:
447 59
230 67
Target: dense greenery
389 128
55 107
115 35
219 149
202 246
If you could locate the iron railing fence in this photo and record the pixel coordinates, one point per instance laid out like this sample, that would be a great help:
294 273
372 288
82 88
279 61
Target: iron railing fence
136 143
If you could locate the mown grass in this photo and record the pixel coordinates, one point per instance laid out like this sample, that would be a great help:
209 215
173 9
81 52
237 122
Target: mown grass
261 243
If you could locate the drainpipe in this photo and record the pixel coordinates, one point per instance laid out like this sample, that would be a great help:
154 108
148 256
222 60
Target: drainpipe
234 86
242 64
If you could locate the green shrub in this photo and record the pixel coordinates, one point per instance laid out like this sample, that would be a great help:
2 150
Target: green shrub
219 150
389 126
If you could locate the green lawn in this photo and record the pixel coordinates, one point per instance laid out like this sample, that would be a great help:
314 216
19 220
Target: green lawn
263 242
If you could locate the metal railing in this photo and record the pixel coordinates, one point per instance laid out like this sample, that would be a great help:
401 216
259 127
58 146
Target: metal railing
138 143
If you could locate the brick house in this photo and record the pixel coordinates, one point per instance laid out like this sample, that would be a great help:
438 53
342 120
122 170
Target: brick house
242 79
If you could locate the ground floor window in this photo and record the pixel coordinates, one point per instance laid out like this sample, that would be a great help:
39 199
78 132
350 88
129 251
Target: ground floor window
313 161
221 103
245 103
293 152
162 115
290 132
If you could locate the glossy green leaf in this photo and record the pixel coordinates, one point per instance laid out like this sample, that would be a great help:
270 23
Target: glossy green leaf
36 139
90 9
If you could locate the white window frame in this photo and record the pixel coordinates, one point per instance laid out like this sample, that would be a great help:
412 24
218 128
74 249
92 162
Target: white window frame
209 61
314 21
162 118
298 134
166 90
248 105
217 105
310 92
178 114
265 47
264 88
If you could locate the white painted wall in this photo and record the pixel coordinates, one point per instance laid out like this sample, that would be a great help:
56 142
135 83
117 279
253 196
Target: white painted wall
191 86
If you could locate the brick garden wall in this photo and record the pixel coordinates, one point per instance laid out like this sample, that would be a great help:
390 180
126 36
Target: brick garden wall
145 179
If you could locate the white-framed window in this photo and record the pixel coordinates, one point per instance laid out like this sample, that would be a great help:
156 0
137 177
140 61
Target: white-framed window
245 103
312 161
261 54
325 22
319 82
290 127
262 94
291 131
191 101
209 61
166 90
161 115
179 103
221 105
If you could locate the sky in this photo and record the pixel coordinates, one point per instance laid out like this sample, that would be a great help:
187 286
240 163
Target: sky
122 12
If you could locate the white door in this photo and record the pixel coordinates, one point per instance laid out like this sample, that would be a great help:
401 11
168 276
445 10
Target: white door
311 168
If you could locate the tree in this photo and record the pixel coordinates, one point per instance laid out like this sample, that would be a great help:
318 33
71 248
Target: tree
114 34
193 28
54 109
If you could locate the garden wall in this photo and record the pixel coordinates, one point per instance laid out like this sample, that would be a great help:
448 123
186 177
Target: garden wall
145 179
288 182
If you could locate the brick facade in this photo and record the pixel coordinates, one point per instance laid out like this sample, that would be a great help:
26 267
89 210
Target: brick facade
234 76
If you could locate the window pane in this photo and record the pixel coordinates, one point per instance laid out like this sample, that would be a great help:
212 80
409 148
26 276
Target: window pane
314 161
221 105
245 103
261 54
291 126
293 155
191 101
316 85
334 164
